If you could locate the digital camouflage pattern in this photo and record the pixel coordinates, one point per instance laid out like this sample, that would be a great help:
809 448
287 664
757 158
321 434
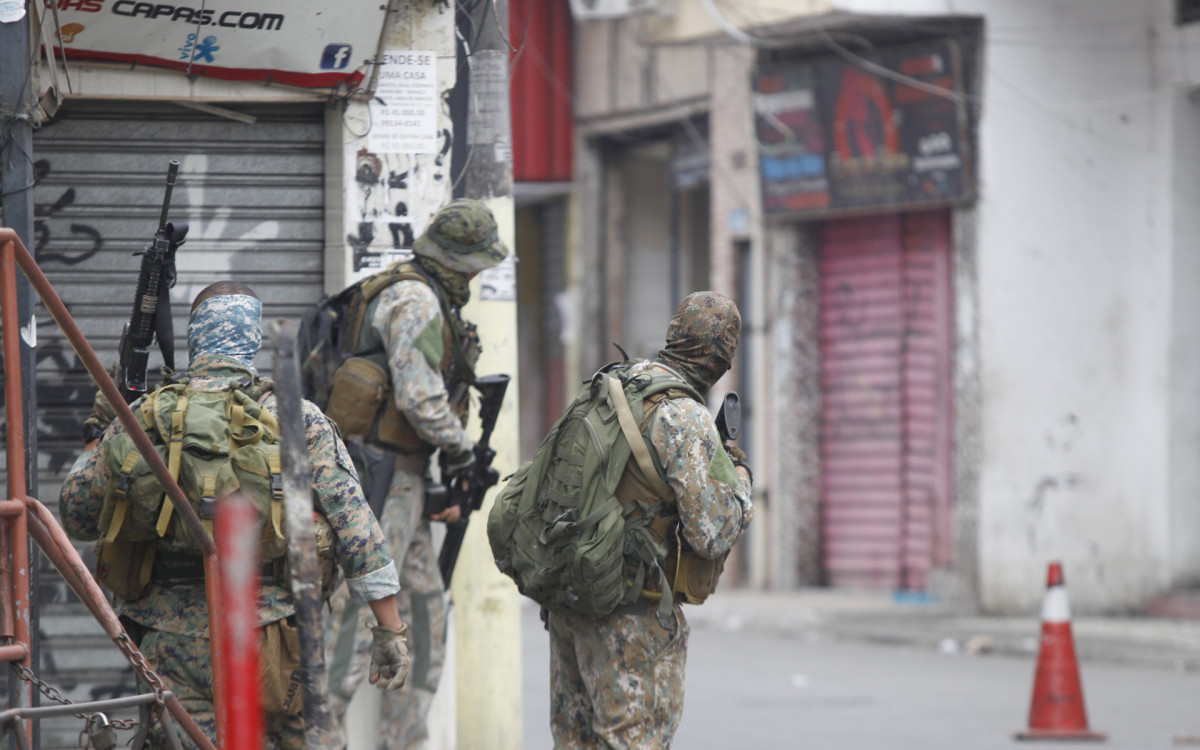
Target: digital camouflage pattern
616 681
702 338
227 324
183 664
462 236
176 617
422 605
408 319
607 687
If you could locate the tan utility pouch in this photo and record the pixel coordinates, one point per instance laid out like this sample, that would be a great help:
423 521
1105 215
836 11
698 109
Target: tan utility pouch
696 577
395 432
279 674
359 389
124 567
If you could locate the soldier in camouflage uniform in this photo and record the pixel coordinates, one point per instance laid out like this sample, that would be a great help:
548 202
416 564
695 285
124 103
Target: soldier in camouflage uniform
170 622
418 323
617 681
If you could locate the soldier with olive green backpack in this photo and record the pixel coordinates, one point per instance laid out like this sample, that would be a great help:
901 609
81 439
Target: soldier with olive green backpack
216 430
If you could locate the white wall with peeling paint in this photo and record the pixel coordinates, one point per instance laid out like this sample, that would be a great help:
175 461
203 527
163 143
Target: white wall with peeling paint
1087 302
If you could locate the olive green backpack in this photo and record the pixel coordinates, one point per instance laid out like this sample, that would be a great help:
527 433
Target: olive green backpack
557 528
213 442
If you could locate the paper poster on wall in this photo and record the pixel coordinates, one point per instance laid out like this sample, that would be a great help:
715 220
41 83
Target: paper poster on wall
404 112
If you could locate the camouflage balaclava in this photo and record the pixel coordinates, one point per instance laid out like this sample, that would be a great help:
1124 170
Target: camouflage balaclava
461 240
702 338
229 324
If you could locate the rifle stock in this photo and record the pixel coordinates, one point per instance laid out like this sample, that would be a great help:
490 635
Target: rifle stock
151 313
483 477
729 417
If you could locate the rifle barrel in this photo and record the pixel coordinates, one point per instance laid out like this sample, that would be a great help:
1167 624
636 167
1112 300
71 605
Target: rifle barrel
172 170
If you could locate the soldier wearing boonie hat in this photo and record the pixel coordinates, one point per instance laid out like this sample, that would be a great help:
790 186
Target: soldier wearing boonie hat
416 321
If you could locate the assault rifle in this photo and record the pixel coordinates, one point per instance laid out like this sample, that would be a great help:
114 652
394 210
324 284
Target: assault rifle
482 478
152 303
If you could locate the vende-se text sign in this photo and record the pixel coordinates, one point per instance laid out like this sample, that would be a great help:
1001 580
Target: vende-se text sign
297 42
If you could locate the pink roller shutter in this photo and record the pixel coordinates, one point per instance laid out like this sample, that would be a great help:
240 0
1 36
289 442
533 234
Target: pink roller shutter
885 348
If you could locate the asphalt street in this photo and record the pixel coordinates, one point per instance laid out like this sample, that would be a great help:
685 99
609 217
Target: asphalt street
759 688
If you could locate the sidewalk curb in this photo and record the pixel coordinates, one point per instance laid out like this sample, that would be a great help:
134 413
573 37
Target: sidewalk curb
876 618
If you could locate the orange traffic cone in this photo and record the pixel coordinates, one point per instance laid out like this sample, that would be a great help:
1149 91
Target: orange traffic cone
1057 709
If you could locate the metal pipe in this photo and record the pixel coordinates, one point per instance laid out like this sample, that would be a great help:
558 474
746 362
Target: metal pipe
56 308
50 712
7 615
54 542
302 559
11 507
17 485
216 642
236 529
14 652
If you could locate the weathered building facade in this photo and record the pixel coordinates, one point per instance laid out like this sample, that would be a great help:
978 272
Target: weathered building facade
959 234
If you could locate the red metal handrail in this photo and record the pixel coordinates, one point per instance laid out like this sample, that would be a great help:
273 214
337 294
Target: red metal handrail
45 529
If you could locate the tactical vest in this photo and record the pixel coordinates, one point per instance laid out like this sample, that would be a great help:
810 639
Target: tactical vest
362 400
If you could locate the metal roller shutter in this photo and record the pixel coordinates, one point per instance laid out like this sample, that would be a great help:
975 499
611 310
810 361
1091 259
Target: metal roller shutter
885 349
253 195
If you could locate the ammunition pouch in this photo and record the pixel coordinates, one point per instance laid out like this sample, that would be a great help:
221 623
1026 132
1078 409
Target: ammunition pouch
362 405
280 679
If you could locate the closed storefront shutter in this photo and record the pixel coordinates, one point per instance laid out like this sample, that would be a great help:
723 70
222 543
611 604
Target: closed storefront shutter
885 376
253 195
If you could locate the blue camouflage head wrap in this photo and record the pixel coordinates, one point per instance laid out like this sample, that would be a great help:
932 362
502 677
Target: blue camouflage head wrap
229 324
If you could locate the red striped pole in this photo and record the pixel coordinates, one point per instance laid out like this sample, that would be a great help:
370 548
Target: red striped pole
237 537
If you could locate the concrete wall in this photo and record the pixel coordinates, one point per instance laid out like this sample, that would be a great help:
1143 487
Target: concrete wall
1075 261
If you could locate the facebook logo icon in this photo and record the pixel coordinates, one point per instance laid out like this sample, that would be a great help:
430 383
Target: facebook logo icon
335 56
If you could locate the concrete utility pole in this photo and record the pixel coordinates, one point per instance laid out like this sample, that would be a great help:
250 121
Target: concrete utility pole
16 200
486 608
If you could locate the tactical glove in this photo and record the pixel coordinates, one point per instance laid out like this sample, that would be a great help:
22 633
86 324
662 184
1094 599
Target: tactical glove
738 456
458 465
389 657
103 412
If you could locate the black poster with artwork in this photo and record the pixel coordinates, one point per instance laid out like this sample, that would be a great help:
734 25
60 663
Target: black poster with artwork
887 131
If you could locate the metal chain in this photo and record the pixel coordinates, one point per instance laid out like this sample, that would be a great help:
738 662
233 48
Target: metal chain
55 695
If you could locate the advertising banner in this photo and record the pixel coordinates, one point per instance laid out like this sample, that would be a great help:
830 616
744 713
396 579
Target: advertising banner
296 42
835 136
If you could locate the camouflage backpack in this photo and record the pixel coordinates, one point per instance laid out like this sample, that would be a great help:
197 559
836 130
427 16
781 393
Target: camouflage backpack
558 528
213 442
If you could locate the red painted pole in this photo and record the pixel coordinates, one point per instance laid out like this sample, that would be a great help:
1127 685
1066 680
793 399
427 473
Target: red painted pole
14 412
236 529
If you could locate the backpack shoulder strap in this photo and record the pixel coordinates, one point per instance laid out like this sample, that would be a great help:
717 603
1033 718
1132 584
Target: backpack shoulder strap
365 291
633 435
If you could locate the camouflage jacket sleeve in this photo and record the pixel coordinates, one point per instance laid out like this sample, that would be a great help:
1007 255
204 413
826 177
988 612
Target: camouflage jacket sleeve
409 321
362 549
712 495
82 494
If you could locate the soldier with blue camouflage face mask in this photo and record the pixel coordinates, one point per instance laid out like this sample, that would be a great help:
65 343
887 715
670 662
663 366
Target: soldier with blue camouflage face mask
169 621
413 329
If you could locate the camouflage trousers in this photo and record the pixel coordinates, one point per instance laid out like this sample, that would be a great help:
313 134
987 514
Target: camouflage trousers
185 666
422 605
616 681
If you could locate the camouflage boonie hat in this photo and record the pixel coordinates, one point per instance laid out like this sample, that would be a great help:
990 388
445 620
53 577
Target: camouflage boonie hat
462 237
